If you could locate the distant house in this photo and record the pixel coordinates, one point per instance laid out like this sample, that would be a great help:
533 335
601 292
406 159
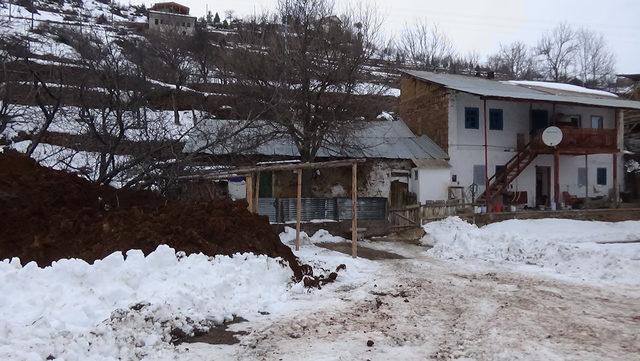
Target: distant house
492 133
171 16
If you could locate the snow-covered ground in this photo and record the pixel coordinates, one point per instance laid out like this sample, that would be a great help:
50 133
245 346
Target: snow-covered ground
578 249
420 307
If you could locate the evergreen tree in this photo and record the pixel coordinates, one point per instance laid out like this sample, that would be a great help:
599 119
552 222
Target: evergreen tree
209 17
225 24
216 19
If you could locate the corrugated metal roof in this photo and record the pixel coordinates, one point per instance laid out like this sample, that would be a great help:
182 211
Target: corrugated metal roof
496 89
373 139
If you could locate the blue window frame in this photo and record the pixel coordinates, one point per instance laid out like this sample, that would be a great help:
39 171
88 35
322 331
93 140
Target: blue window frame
472 118
602 176
496 119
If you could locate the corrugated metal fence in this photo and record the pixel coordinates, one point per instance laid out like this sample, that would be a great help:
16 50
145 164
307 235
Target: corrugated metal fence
281 210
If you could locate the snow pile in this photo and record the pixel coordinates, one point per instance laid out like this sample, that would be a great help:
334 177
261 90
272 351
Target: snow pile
126 307
567 247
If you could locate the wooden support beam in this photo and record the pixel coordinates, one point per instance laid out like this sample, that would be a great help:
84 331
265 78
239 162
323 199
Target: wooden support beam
556 178
248 185
298 209
354 210
257 195
222 174
616 189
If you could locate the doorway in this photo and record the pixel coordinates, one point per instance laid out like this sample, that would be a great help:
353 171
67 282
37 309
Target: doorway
399 191
539 120
543 186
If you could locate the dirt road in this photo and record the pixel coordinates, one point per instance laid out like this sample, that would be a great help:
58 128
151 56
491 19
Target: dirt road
425 309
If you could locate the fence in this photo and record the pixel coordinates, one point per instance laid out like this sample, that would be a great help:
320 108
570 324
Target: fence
416 215
282 210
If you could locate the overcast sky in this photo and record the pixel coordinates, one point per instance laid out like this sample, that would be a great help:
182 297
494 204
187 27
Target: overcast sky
482 25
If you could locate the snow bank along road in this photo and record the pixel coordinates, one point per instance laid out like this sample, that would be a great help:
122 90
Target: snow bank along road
444 303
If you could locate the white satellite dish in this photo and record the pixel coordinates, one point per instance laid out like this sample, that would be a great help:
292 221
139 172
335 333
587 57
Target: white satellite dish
552 136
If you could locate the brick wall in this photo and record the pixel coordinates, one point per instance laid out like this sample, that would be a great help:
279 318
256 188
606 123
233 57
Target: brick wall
425 109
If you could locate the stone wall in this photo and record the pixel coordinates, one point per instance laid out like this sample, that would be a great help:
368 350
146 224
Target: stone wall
425 108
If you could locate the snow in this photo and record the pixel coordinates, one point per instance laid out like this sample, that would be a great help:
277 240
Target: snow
561 86
562 247
77 311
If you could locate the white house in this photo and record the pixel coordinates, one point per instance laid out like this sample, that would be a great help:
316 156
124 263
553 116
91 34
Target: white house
492 129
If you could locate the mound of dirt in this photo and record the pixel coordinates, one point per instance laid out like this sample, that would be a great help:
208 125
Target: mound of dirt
46 215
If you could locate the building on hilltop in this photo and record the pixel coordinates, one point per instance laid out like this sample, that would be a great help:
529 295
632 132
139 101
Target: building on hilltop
172 17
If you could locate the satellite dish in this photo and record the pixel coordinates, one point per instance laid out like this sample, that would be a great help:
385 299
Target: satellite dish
552 136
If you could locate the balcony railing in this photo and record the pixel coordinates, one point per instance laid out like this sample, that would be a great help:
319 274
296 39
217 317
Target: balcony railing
580 141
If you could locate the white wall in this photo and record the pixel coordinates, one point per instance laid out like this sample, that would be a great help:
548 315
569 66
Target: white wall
432 183
466 146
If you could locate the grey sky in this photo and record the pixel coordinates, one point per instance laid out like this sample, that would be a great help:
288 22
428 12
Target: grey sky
482 25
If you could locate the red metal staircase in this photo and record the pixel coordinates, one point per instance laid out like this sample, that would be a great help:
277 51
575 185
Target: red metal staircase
500 181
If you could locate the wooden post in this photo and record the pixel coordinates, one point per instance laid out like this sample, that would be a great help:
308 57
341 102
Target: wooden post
248 185
354 210
586 183
616 190
487 192
298 209
257 195
556 177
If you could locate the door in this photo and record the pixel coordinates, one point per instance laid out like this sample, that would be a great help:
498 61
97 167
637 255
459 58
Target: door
539 120
399 192
266 185
543 185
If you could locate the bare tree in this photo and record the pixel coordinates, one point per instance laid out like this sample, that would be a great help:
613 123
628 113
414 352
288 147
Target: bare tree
513 60
557 50
305 75
169 60
595 62
426 46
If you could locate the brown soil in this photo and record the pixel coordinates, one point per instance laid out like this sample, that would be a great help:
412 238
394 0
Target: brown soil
46 215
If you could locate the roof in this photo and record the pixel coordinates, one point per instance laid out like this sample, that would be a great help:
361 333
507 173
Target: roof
509 90
634 77
171 5
373 139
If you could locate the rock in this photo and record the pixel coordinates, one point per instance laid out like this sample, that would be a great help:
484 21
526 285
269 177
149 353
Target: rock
370 343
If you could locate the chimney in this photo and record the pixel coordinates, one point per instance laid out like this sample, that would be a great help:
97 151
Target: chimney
491 75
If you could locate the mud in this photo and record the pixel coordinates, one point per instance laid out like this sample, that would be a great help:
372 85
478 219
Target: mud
46 215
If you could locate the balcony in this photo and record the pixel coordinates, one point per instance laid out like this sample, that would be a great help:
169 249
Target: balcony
579 141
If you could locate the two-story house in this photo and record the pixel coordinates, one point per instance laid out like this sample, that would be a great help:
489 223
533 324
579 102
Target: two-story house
492 132
171 16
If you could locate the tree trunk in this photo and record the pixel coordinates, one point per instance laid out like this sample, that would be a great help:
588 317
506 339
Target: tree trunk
174 103
307 183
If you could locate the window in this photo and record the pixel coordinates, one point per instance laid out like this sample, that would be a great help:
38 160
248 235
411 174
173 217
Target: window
602 176
472 118
454 178
597 122
582 177
496 119
415 174
156 21
184 25
575 120
161 21
478 175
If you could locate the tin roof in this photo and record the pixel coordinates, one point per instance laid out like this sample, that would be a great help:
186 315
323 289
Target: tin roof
373 139
507 90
